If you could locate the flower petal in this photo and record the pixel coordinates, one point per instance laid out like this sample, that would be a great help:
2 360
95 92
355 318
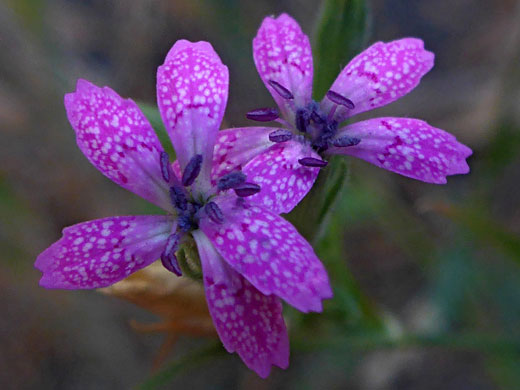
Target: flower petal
269 252
118 140
380 75
283 180
101 252
282 53
247 321
192 91
236 147
410 147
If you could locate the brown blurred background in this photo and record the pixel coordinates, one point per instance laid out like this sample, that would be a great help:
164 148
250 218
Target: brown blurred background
427 257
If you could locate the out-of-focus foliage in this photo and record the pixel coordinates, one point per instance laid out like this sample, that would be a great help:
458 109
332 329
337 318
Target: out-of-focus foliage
341 33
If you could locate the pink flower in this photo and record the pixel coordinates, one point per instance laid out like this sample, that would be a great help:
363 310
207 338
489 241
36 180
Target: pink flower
313 130
250 257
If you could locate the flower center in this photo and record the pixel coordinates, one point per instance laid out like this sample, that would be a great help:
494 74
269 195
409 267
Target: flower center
318 127
190 209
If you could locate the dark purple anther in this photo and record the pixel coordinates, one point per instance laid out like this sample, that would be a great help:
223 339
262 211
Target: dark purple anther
178 198
214 212
280 135
266 114
192 170
312 162
281 90
165 166
168 258
345 141
247 189
302 120
340 99
231 180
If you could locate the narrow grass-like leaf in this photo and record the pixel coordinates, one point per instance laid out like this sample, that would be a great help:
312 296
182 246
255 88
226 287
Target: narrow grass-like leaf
341 33
182 365
484 228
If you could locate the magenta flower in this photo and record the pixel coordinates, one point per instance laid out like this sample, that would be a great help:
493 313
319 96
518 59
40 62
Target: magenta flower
312 131
250 257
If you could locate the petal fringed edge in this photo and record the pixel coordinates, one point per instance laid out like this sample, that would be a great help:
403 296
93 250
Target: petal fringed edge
269 252
410 147
282 53
99 253
118 140
380 75
247 321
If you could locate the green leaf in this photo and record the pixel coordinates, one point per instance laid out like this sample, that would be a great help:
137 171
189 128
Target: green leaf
310 216
31 13
454 277
341 33
335 182
320 218
505 369
350 306
503 149
180 366
484 228
154 117
490 343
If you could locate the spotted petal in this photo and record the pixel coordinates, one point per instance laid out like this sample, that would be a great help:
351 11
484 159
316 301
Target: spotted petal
101 252
269 252
282 53
118 140
247 321
283 180
380 75
410 147
192 90
236 147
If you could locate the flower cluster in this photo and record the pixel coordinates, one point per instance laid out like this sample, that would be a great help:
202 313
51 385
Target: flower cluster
224 193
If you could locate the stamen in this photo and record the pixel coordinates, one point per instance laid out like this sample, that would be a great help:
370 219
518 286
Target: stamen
231 180
320 144
214 212
192 170
280 135
340 99
168 258
283 122
266 114
317 117
178 198
165 166
302 120
312 162
247 189
281 90
343 142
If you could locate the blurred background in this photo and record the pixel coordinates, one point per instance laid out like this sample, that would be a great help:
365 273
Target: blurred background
426 278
